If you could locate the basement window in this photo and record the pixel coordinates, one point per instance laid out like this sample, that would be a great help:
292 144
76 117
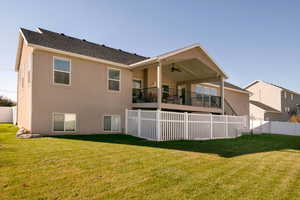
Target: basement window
64 122
112 123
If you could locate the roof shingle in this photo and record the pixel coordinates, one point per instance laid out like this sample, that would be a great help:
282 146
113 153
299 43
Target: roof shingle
74 45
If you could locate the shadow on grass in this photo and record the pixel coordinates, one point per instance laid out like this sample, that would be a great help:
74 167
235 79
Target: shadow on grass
247 144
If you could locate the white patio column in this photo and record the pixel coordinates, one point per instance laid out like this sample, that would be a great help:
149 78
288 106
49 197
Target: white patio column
222 94
159 83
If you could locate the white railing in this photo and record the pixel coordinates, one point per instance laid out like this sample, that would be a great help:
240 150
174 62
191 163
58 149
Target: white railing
275 127
164 126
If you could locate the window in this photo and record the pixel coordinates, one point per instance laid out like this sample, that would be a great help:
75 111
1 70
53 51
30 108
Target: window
292 97
199 89
298 109
114 79
205 90
285 95
287 109
213 91
137 84
64 122
112 123
62 71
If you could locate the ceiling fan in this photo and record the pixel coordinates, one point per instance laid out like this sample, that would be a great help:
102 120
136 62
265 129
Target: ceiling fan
174 69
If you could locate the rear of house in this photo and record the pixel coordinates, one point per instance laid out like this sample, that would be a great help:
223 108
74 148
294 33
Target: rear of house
67 85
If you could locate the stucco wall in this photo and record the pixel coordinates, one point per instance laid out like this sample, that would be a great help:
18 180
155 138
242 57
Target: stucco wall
256 113
24 93
266 94
87 96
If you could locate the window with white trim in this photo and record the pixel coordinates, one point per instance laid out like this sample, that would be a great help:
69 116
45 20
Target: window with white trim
112 123
61 71
114 77
64 122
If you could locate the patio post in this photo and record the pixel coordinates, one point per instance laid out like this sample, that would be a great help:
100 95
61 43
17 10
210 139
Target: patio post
158 85
222 94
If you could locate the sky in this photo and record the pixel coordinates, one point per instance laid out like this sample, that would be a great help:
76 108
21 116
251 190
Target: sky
249 40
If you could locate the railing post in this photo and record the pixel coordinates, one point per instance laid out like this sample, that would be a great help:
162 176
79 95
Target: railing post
139 123
126 121
211 126
158 125
186 125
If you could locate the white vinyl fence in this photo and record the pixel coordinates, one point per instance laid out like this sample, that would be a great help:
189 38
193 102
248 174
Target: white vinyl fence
8 114
164 126
275 127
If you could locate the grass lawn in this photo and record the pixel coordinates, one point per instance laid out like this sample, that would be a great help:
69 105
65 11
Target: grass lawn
124 167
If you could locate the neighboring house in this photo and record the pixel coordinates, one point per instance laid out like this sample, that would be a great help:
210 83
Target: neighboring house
69 85
271 102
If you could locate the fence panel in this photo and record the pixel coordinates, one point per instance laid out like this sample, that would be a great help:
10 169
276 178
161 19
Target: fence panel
132 122
6 114
199 127
166 126
172 126
275 127
148 125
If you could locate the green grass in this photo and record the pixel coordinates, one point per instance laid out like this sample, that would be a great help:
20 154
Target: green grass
124 167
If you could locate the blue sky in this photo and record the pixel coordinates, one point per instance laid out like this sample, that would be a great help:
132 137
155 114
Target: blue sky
250 40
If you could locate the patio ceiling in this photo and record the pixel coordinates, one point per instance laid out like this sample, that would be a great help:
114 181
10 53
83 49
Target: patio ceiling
189 70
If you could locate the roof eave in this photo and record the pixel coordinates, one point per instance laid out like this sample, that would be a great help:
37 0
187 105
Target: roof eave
22 39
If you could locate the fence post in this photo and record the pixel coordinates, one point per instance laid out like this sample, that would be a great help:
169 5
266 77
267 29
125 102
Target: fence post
139 122
226 126
211 126
126 121
186 125
158 125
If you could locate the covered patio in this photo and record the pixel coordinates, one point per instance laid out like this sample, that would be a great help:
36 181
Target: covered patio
165 82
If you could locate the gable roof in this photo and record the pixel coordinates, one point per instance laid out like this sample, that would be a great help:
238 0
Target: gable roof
257 81
176 52
63 42
264 106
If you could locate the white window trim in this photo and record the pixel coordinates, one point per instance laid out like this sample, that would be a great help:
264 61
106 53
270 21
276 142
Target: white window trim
118 131
53 70
108 79
64 123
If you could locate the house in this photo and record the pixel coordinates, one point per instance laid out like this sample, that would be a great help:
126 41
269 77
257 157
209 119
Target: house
272 102
70 85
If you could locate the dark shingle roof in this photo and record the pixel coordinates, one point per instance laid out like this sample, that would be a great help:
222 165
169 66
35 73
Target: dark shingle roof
70 44
263 106
230 85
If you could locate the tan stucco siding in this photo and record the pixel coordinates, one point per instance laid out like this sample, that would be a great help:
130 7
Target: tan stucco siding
87 96
24 89
152 77
256 113
266 94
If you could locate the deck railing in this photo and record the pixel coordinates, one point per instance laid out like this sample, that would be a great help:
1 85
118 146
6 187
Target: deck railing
176 96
